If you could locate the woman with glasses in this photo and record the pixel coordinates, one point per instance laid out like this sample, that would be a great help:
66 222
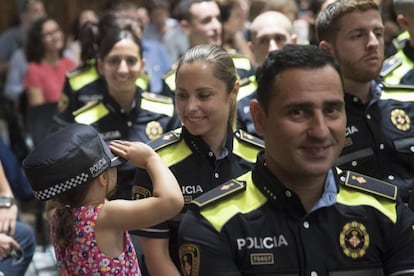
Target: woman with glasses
45 75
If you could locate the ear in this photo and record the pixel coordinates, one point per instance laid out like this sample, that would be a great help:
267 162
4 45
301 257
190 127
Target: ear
185 26
402 21
294 39
326 46
99 65
258 116
103 178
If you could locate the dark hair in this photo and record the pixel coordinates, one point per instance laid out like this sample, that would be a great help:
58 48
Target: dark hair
183 9
327 22
91 35
35 49
224 68
63 215
113 36
291 56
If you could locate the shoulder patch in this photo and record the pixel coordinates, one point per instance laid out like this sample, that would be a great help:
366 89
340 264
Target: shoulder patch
157 98
219 193
389 65
249 138
166 139
370 185
85 107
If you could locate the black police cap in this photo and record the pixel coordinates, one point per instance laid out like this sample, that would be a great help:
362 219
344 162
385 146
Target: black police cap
66 159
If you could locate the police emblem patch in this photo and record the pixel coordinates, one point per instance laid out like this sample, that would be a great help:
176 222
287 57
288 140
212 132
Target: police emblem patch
139 192
400 119
354 240
153 130
63 103
189 259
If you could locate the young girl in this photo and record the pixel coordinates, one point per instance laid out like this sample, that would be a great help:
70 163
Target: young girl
88 232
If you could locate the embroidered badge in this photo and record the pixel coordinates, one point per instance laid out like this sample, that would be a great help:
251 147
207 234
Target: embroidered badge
139 192
354 240
153 130
63 103
400 119
189 259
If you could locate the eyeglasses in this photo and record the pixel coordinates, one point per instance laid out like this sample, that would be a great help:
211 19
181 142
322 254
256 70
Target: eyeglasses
115 61
52 32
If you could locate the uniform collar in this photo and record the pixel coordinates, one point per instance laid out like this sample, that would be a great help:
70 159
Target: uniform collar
201 148
282 197
113 105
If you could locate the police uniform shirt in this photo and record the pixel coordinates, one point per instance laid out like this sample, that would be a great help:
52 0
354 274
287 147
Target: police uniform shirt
197 171
77 92
148 119
247 92
398 74
380 140
265 230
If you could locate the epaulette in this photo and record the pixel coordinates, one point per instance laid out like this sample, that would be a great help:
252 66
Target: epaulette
157 98
249 138
399 41
369 185
166 139
219 193
85 107
389 65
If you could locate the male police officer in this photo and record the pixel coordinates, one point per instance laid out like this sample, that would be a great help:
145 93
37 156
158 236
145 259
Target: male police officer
379 136
297 215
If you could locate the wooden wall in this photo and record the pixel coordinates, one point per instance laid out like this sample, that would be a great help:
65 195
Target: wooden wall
64 11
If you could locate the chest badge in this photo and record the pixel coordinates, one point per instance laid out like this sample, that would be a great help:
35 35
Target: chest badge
354 240
153 130
400 119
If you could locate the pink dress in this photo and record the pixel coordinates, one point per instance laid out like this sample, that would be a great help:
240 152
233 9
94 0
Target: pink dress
48 78
85 258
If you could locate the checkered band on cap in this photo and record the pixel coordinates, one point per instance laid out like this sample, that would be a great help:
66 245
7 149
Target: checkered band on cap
61 187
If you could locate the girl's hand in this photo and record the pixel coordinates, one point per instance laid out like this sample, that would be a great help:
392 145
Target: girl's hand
137 153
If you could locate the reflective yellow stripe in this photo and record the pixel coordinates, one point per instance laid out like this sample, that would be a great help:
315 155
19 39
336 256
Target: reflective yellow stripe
142 82
174 153
394 77
170 81
242 63
245 151
247 89
354 198
162 108
92 115
79 80
243 202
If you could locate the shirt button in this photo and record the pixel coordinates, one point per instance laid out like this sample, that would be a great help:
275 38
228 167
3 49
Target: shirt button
390 177
216 175
412 148
306 225
354 163
129 123
355 99
288 193
210 154
314 273
368 117
381 146
342 178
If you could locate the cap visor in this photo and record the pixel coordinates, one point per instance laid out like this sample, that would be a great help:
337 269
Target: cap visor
116 161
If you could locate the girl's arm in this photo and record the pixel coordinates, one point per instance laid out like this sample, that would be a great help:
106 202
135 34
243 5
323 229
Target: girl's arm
166 202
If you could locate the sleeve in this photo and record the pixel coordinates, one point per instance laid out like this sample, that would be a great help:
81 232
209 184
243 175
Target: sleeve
67 104
202 250
142 188
31 78
399 259
13 86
